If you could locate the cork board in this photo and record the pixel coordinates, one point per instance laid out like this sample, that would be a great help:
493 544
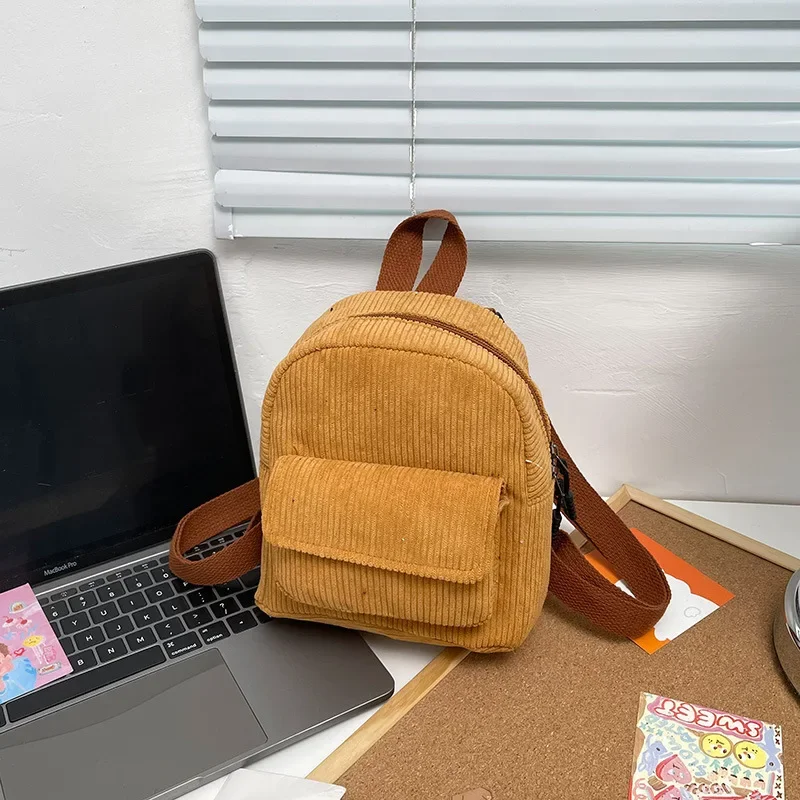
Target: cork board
557 718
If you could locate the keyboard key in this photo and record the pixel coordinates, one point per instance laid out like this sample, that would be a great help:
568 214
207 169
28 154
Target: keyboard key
89 638
181 587
57 610
63 595
164 559
140 639
196 618
217 540
56 629
247 598
229 588
146 566
195 557
242 622
132 602
118 575
147 616
110 592
83 601
212 552
77 686
137 582
112 649
261 616
161 574
43 601
169 628
118 627
157 593
85 587
82 661
75 623
201 597
214 633
182 645
67 644
224 607
250 579
104 612
169 608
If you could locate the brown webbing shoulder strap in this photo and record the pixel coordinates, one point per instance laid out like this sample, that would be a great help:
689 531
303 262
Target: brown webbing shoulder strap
575 582
211 519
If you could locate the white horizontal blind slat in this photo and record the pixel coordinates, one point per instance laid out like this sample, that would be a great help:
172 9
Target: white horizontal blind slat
481 11
631 228
512 195
303 10
532 45
307 44
325 192
231 223
482 159
681 125
442 84
264 82
309 121
313 155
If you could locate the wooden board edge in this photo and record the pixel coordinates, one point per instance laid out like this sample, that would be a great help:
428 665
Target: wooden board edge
341 759
714 529
620 498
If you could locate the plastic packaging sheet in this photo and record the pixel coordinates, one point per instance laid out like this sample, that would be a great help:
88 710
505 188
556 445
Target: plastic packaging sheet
252 784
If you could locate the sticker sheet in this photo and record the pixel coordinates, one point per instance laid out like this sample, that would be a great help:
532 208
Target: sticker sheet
694 594
30 654
689 752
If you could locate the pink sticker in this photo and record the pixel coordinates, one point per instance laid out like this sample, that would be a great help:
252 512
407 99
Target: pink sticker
30 654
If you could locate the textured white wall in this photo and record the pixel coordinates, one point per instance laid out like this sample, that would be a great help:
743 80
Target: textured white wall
674 368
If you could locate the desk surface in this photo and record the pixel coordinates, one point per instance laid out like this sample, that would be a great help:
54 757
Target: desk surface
775 525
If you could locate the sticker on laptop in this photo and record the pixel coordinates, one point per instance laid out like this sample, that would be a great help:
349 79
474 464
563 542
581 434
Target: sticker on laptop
684 751
30 654
694 594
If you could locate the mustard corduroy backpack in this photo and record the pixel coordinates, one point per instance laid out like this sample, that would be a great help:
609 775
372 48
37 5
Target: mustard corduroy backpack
411 483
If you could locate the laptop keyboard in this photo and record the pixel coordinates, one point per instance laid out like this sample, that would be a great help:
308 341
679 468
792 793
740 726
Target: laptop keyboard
132 619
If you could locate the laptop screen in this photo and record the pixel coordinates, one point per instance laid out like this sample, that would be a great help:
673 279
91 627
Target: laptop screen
119 412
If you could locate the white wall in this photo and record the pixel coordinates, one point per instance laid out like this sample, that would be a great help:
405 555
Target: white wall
674 368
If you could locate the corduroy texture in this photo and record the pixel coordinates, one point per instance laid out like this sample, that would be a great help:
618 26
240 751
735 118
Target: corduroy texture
382 541
390 391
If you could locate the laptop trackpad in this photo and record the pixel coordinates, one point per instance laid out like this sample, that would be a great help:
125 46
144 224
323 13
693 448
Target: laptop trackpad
136 740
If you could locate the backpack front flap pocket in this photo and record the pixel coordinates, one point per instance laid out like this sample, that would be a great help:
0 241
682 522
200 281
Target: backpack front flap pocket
381 541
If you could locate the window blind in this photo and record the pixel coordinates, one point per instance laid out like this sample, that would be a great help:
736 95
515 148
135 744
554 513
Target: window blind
578 120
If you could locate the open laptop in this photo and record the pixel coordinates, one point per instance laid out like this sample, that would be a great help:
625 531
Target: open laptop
119 412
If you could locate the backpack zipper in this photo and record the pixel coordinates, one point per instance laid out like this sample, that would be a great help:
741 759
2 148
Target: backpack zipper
496 352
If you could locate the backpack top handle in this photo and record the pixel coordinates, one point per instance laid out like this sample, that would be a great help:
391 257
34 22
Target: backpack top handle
403 256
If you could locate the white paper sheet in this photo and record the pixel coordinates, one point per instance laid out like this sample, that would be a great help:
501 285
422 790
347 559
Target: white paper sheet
251 784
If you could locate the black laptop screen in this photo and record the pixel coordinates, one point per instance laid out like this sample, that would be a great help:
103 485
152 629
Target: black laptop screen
119 412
